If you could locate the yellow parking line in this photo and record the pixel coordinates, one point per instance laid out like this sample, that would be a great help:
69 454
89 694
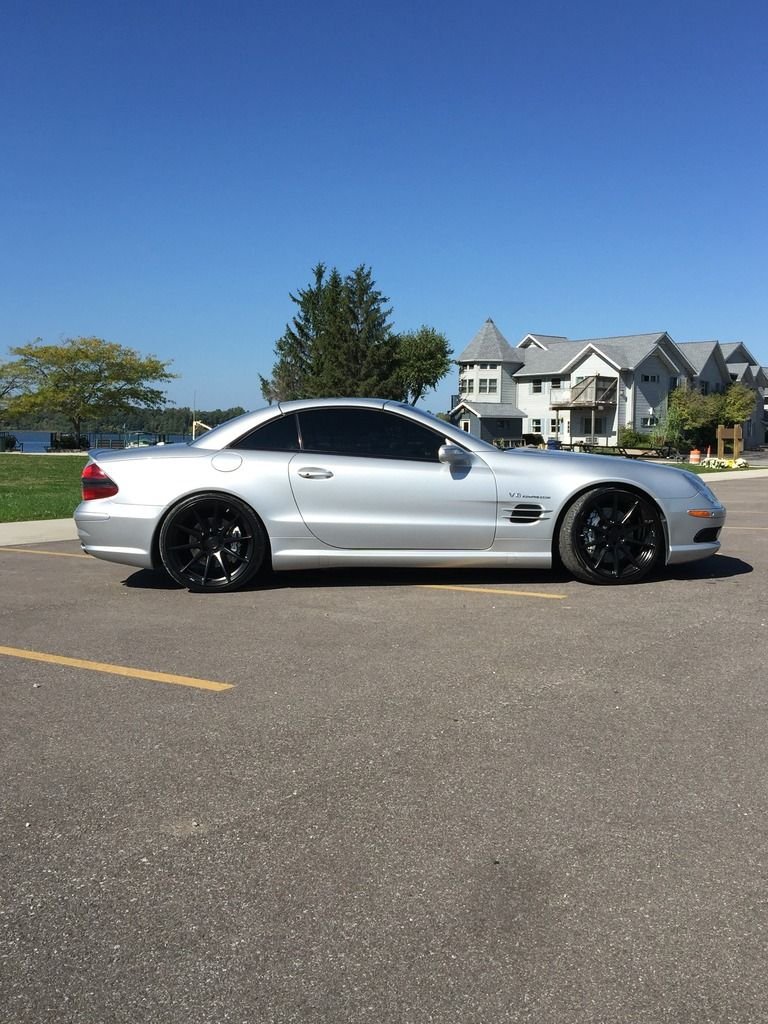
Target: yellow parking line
490 590
115 670
37 551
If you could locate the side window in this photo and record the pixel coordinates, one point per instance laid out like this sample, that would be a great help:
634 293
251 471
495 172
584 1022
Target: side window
278 435
367 433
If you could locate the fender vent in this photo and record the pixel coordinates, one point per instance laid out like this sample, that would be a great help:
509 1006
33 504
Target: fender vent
523 513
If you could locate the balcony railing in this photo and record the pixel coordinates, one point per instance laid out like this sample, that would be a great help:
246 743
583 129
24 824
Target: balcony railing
588 393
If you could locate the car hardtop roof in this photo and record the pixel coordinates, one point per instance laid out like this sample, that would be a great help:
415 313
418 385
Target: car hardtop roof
225 433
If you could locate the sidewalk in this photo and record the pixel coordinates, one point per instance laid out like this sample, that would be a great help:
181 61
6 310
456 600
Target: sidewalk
42 532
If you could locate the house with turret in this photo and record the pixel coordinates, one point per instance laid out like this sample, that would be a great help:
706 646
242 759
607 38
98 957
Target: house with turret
588 390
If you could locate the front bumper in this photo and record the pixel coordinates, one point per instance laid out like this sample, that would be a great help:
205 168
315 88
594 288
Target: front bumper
694 528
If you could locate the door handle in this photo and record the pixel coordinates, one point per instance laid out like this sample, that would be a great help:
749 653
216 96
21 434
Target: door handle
315 473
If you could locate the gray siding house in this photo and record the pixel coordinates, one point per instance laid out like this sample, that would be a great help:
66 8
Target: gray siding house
587 390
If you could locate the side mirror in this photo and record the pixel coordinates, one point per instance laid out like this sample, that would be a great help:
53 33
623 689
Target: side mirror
453 455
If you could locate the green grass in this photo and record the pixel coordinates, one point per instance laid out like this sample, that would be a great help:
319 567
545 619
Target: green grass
39 486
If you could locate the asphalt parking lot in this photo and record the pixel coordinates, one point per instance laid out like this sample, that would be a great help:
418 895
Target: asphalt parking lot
463 798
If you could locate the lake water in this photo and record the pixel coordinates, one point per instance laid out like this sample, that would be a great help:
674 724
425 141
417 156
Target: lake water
40 440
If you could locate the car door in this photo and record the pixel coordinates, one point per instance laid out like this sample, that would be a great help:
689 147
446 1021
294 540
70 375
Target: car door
371 479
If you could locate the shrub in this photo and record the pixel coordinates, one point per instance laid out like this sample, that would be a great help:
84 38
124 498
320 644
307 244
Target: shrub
631 438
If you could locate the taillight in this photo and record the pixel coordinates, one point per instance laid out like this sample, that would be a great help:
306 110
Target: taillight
96 484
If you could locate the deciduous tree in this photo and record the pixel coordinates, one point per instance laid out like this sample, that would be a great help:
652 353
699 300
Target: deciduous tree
86 379
738 404
424 358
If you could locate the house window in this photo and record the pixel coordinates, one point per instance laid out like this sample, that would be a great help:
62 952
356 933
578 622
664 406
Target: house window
483 385
555 383
470 386
536 387
462 385
597 424
704 385
465 425
535 426
673 383
649 421
493 386
555 426
651 378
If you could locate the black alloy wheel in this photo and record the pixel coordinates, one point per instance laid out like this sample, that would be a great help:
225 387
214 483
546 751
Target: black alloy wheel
212 543
610 535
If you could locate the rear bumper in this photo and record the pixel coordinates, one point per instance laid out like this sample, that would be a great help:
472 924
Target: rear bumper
118 533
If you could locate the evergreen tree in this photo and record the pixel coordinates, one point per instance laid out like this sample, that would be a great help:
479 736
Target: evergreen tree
295 350
328 376
341 343
357 351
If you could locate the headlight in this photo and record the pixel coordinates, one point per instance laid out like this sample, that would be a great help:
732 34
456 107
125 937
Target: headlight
702 488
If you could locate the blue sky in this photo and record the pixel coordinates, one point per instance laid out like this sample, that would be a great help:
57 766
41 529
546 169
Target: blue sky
171 171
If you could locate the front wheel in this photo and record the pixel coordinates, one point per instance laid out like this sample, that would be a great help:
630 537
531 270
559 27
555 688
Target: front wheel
212 543
610 535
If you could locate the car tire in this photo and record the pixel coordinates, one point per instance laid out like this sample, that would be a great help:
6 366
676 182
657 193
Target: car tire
212 543
610 535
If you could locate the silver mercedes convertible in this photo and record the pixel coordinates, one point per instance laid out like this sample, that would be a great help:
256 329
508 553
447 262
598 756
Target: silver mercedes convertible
369 482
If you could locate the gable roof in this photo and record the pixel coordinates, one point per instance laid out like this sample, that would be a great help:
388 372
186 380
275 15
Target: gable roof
540 340
737 357
738 352
539 361
699 353
623 353
489 346
742 372
489 410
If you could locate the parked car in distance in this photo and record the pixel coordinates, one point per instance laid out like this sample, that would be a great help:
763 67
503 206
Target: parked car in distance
371 482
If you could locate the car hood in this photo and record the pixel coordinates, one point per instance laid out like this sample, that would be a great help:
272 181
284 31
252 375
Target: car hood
662 479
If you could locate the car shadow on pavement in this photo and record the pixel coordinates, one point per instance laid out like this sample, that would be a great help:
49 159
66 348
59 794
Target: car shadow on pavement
719 567
147 579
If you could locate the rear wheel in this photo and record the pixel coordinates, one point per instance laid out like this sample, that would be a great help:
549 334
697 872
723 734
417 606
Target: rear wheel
212 542
610 535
